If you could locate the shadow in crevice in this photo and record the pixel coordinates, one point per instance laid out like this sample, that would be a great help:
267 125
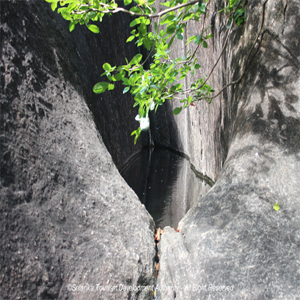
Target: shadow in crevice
164 130
165 183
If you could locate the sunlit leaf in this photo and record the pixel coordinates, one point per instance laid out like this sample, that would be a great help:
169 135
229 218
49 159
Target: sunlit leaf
139 2
166 4
188 16
107 67
100 87
53 6
111 87
126 89
65 13
276 206
192 38
167 19
137 133
136 59
71 26
130 38
135 22
93 28
136 9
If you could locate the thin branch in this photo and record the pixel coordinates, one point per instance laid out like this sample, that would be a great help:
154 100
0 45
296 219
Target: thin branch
153 47
150 52
193 55
248 55
178 6
150 16
228 34
202 97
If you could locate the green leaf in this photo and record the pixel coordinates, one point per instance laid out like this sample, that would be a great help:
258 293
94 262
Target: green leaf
187 17
93 28
111 87
126 89
62 3
136 10
179 35
177 110
135 22
148 43
204 44
197 66
65 13
137 133
107 67
125 81
139 2
136 59
53 6
229 22
171 29
202 7
142 29
100 87
118 77
71 26
130 38
166 4
168 19
84 8
127 2
171 42
208 36
192 38
276 206
198 39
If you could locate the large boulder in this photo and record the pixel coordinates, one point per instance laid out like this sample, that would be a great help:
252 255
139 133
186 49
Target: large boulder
71 228
233 244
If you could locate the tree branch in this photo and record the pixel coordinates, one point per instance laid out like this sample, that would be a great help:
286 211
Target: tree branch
149 16
248 55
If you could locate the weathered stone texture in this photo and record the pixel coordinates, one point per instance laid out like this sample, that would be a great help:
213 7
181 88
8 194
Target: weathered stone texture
202 132
233 238
67 216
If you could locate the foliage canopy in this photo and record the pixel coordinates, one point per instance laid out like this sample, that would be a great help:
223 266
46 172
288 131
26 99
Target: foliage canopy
163 79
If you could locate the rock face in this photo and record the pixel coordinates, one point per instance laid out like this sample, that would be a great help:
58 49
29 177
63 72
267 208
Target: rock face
233 244
202 132
71 228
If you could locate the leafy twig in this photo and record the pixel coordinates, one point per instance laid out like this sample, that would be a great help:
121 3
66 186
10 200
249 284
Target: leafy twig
149 16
